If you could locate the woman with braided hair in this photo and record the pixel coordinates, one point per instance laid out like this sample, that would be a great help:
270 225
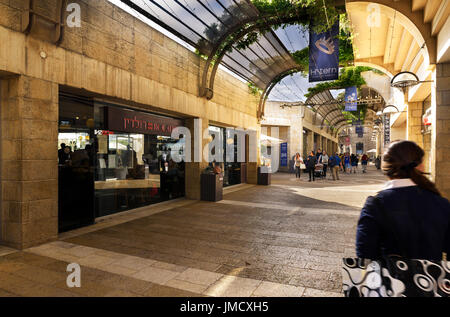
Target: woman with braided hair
408 217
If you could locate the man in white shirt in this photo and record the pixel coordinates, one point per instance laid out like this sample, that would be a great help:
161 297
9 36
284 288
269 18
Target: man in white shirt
324 160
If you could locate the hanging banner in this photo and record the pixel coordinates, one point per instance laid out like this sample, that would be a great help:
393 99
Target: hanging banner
284 154
387 129
324 55
351 97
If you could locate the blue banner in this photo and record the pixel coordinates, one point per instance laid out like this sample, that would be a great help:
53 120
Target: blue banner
351 97
324 55
283 154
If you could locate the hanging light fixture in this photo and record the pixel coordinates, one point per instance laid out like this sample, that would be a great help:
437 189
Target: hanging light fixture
406 79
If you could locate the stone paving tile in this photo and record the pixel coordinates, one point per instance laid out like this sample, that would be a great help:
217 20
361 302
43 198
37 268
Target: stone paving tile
199 276
127 284
42 275
120 293
166 291
169 266
233 286
269 289
95 260
310 292
4 293
155 275
133 262
316 280
279 245
188 286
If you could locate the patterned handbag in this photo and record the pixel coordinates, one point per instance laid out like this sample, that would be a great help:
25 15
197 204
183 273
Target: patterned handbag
395 276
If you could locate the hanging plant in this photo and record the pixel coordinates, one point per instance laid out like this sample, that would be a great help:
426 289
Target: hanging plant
254 90
348 77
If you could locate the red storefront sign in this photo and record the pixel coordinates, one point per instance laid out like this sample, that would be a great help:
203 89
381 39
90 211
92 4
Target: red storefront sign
139 122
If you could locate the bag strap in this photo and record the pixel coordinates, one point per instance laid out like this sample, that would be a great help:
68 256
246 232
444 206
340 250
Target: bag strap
387 222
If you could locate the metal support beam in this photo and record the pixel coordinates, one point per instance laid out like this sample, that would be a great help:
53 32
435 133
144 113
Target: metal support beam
266 92
237 32
330 112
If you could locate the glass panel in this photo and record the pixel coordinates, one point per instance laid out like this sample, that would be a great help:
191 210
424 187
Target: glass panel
135 170
231 170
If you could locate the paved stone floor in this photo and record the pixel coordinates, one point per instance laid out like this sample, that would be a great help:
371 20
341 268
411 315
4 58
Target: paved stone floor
286 239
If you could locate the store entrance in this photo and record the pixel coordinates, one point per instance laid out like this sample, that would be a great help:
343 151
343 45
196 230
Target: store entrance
75 164
233 171
113 159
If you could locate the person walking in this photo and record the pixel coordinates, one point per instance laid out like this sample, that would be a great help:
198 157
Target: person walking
318 154
334 162
353 163
347 165
409 217
298 161
324 158
364 162
311 165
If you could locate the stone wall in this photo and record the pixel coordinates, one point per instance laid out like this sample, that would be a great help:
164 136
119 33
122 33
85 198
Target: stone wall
113 56
440 140
29 122
117 55
297 118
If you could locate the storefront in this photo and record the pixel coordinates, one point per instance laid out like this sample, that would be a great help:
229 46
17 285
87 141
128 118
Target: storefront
114 159
231 167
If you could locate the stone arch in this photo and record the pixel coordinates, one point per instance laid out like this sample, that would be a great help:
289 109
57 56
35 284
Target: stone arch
413 21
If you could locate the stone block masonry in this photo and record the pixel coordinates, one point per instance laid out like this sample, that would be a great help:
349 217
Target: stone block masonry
29 171
113 56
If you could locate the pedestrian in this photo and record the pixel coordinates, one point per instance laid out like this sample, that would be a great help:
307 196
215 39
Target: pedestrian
324 160
378 162
334 162
298 161
353 163
347 165
408 217
311 165
318 154
364 162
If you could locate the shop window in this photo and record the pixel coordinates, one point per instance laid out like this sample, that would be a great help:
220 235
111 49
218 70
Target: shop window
115 159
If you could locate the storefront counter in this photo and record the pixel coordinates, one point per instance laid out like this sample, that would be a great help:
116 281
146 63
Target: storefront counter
152 182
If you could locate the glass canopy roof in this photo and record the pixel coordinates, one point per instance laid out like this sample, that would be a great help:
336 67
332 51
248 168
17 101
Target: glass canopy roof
205 24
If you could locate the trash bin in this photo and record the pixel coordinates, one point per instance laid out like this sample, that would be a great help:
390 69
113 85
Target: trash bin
211 187
264 178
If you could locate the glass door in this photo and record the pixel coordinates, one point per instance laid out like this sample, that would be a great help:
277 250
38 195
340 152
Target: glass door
75 164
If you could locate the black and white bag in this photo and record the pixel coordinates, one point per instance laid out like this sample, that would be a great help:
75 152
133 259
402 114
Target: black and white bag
395 276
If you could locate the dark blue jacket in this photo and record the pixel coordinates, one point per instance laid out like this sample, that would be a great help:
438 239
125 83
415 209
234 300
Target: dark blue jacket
420 218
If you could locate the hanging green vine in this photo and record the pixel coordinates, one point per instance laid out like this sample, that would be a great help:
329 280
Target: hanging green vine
273 14
348 77
254 90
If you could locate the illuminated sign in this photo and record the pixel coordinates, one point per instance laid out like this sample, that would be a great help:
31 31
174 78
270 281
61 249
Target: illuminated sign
131 121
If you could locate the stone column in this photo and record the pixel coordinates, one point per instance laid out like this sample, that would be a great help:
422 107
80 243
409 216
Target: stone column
29 161
252 167
310 142
414 123
295 140
440 139
198 164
